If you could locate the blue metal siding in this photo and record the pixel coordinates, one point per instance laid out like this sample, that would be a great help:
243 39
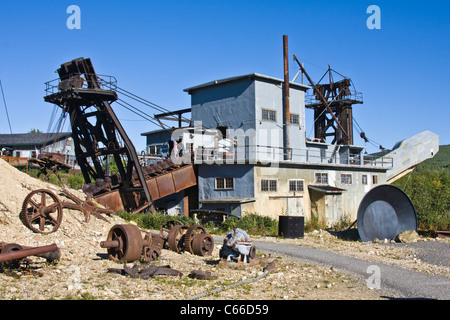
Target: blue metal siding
243 181
231 105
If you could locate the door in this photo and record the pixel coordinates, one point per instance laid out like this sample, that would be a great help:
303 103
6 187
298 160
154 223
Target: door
295 206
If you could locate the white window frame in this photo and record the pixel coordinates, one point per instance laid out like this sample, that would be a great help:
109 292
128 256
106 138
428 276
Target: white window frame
322 175
364 179
375 179
269 112
269 186
226 184
297 123
297 189
346 178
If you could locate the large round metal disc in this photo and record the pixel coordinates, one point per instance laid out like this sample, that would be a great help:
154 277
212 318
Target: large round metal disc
175 239
130 240
384 212
191 232
203 244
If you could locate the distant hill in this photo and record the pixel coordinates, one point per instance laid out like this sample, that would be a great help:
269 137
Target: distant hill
440 160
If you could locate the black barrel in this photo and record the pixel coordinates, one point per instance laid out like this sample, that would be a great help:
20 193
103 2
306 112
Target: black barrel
291 226
384 212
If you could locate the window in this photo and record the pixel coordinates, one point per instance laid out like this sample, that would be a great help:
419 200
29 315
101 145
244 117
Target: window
346 178
364 179
269 185
154 150
224 183
375 179
295 185
269 115
321 177
190 147
294 118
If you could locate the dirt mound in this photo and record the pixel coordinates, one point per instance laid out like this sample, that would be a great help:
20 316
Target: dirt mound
15 186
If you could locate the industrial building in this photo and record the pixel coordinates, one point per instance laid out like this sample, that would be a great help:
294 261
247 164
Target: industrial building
244 148
247 167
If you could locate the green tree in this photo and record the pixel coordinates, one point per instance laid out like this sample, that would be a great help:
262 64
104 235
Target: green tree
429 190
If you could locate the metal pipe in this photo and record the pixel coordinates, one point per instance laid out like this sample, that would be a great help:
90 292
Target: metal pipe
286 116
109 244
19 254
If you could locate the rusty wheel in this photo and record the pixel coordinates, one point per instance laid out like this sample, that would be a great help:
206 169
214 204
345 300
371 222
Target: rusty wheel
190 234
203 244
12 264
175 239
124 243
42 211
165 228
252 253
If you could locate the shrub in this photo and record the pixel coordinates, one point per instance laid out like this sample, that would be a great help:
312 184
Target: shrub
153 221
429 191
314 223
252 223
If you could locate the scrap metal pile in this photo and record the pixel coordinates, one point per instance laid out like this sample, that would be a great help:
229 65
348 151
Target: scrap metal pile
42 210
98 137
125 242
51 161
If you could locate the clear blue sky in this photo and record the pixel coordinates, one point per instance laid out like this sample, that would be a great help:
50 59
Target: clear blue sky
156 49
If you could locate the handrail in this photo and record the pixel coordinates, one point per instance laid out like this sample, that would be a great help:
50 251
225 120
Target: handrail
106 82
298 155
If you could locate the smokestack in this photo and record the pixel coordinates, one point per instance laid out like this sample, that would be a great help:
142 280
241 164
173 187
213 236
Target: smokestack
286 111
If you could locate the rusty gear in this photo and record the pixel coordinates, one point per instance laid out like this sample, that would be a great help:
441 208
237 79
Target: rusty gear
191 232
41 211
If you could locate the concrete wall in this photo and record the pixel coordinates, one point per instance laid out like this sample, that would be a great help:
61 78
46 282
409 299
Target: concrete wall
329 206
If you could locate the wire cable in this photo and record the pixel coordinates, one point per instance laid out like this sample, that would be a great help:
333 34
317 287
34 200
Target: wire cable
6 108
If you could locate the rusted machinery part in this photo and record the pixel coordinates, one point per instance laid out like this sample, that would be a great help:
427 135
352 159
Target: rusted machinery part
203 244
42 211
252 252
150 253
15 252
87 206
202 275
154 240
11 264
165 228
175 239
124 243
191 232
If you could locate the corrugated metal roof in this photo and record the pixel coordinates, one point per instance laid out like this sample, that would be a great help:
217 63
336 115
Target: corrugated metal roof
250 76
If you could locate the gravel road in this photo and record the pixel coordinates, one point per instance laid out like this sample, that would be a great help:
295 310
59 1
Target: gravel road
396 282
